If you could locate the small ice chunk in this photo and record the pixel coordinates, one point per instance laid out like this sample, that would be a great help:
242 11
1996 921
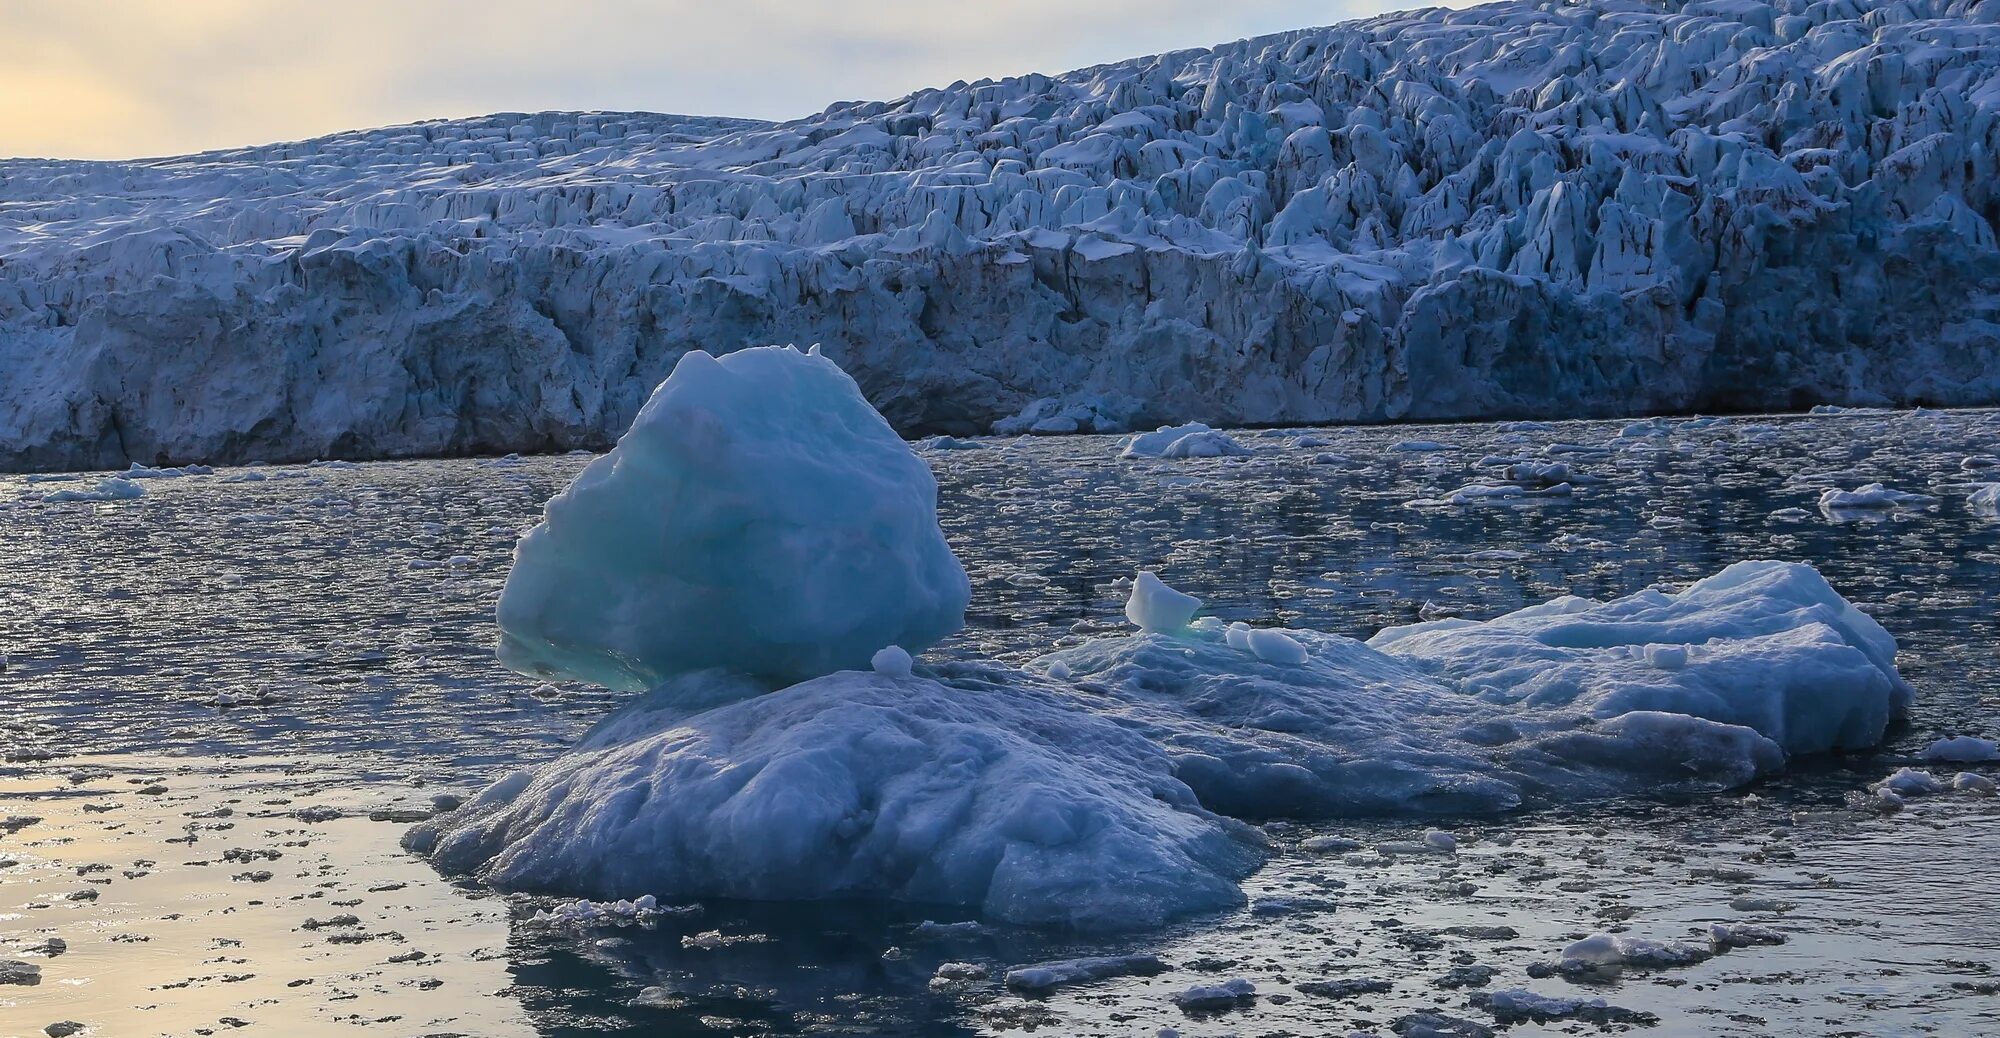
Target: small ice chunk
1273 646
1419 446
1910 782
1193 440
1209 997
1724 936
1153 606
1667 657
892 662
1047 976
1873 496
1963 749
1974 783
111 488
1605 949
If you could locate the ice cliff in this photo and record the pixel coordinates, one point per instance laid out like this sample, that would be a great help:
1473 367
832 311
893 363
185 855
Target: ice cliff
1519 209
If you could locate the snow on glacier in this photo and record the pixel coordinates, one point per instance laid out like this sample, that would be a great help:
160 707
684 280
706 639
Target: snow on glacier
1521 209
759 517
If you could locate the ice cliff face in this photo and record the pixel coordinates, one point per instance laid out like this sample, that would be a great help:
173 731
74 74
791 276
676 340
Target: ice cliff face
1520 209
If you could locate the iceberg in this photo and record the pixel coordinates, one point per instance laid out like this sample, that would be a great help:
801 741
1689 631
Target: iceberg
758 517
762 553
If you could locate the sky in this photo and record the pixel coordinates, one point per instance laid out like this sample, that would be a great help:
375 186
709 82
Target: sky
131 78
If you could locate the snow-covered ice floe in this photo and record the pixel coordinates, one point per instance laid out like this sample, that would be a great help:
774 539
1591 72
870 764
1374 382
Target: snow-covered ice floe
763 551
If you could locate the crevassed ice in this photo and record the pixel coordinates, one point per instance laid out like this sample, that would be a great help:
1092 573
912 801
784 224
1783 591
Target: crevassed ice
1560 210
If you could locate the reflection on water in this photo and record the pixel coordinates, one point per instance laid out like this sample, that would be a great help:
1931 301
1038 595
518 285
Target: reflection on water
351 608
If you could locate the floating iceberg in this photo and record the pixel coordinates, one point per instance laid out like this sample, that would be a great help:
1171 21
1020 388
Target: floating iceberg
761 526
759 516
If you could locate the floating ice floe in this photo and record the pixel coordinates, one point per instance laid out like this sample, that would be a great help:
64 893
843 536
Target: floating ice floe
1491 494
1871 497
1193 440
112 488
1963 749
1985 499
759 516
760 527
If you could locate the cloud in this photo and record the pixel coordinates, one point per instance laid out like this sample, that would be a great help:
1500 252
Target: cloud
119 78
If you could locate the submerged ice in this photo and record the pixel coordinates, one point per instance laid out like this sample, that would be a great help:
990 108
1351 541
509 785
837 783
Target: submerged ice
1103 786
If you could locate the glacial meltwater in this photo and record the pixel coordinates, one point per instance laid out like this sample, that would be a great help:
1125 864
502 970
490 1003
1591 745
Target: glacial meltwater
225 700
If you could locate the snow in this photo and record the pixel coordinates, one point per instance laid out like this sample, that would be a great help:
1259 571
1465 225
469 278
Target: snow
759 516
1587 209
1153 606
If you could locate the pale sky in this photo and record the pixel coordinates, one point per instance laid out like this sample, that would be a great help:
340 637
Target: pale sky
128 78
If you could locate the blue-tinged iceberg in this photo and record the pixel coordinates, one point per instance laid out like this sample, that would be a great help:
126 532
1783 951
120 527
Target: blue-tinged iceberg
763 551
759 517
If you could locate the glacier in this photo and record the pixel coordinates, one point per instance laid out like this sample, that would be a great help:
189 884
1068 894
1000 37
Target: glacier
1522 209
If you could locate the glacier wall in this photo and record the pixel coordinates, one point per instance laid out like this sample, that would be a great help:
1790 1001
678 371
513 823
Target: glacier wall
1522 209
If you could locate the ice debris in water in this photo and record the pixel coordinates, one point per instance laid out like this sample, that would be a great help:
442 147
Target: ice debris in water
640 911
1047 976
1963 749
758 516
111 488
1193 440
1873 496
1985 498
1216 996
1604 950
